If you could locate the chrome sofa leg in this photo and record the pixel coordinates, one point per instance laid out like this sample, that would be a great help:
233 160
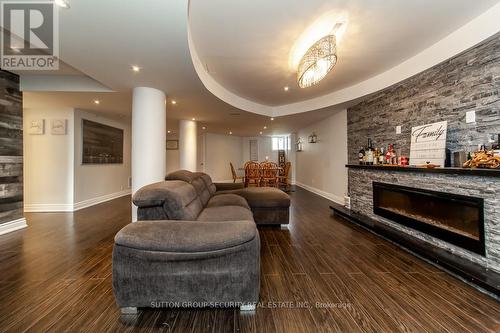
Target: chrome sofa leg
247 307
129 310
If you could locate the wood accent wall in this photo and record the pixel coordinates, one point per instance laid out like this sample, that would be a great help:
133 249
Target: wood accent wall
11 148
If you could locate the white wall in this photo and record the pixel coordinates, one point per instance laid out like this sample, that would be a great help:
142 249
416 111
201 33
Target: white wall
219 151
265 148
99 181
173 162
55 179
321 166
48 163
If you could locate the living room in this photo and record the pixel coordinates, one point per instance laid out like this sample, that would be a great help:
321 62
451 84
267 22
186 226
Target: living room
334 167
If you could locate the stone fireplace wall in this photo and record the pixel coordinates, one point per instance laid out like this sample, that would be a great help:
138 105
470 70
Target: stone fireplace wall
488 188
468 81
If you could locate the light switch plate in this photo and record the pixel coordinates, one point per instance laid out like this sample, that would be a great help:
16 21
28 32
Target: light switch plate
470 117
398 129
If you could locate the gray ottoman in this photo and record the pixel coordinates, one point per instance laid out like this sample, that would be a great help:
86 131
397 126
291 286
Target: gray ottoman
269 205
186 264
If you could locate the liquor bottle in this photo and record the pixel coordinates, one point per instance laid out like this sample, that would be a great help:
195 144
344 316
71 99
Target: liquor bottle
388 154
369 153
375 156
394 155
496 148
381 157
362 156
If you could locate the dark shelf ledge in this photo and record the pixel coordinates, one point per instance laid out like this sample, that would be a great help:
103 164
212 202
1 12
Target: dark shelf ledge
455 171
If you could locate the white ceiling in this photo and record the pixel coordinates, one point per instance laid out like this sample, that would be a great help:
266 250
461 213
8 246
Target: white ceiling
102 39
246 44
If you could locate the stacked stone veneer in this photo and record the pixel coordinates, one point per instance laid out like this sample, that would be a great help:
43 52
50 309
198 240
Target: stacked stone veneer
488 188
469 81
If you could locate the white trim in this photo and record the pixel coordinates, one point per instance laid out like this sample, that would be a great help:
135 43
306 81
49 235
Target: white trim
95 201
40 208
329 196
47 208
13 226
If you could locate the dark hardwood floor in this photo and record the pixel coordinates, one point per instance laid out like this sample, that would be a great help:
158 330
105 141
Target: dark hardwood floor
322 275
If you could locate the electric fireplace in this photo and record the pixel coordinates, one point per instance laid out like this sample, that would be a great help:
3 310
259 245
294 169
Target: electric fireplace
456 219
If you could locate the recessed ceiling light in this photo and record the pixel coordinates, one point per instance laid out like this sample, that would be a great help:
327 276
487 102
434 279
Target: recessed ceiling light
272 118
203 128
97 102
136 69
260 132
62 3
173 102
168 132
230 133
193 119
265 127
286 88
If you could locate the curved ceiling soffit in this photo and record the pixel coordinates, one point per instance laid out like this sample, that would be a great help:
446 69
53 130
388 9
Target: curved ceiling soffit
470 34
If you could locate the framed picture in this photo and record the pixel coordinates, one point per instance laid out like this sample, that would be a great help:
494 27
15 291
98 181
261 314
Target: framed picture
58 127
36 126
102 144
172 144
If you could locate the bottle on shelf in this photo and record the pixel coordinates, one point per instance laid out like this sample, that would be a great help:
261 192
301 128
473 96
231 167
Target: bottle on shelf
394 155
388 154
375 156
369 153
361 156
496 148
381 157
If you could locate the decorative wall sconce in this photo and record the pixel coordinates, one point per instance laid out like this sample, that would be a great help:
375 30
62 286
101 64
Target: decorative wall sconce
313 138
299 145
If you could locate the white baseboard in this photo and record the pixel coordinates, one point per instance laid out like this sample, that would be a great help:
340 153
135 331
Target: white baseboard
94 201
329 196
12 226
47 208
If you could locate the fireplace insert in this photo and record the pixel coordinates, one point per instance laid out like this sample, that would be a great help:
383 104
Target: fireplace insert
456 219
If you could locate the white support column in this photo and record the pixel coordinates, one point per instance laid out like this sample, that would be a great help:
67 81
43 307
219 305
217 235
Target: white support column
187 145
149 129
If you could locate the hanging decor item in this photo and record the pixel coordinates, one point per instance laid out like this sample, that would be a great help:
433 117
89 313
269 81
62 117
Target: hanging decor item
318 61
313 138
299 145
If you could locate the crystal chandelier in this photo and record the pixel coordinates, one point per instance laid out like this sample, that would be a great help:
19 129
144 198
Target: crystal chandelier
317 62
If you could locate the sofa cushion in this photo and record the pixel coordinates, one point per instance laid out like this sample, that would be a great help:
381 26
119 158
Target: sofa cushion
201 182
208 182
179 199
227 200
185 236
225 213
184 175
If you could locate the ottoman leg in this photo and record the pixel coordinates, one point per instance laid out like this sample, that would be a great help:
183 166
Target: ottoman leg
129 310
247 307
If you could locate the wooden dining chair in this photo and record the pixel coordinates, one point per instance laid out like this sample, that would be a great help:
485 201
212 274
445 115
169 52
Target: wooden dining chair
284 179
235 175
252 174
269 174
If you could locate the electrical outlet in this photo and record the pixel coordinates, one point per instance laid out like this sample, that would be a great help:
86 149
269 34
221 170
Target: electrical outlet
347 202
398 129
470 117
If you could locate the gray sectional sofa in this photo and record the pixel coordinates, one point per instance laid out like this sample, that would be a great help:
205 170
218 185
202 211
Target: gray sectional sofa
196 244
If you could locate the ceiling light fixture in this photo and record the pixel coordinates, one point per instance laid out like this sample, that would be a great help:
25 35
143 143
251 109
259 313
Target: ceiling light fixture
173 102
272 118
97 102
265 127
260 132
230 133
136 69
286 88
193 119
62 3
203 128
318 61
168 132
